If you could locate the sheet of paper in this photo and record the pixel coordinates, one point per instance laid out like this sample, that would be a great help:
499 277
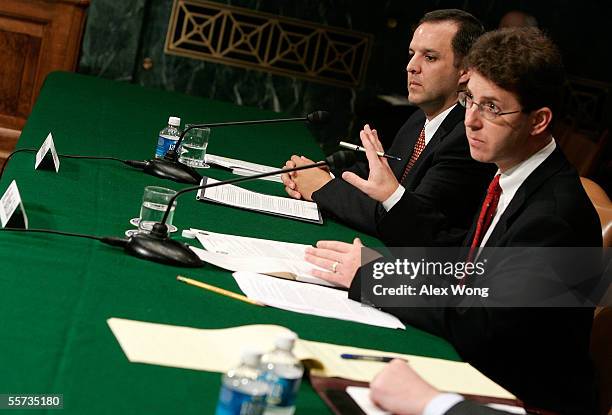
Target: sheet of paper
244 172
231 163
245 246
311 299
264 256
277 267
218 350
362 397
246 199
243 168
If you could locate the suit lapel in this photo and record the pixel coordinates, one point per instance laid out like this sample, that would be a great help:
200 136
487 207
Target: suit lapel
555 162
454 117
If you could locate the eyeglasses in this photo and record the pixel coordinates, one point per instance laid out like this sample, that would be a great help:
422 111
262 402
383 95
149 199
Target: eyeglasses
488 110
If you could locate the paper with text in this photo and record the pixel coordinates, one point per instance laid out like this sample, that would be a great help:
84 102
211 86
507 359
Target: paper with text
218 350
311 299
284 206
243 168
241 253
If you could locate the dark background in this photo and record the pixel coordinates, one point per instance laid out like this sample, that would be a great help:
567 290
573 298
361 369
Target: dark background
120 35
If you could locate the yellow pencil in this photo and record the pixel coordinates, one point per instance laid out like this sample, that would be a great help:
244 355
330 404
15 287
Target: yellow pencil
218 290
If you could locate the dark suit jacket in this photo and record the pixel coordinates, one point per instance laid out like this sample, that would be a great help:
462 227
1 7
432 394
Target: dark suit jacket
443 189
471 408
539 354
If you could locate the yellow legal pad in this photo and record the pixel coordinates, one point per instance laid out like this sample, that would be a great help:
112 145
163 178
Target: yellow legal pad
219 350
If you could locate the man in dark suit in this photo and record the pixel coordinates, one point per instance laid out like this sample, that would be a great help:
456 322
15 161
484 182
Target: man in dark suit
535 200
437 181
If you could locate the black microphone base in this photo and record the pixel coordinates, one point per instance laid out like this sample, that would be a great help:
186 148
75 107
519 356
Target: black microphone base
163 250
172 170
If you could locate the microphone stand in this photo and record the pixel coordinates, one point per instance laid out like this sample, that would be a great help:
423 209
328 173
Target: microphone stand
171 168
159 247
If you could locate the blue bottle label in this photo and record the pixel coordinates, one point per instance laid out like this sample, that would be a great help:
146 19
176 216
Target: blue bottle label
283 391
233 402
164 144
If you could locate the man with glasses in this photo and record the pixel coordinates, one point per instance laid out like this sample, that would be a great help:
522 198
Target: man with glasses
436 184
535 200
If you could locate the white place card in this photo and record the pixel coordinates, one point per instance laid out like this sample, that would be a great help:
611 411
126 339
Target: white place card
12 213
46 157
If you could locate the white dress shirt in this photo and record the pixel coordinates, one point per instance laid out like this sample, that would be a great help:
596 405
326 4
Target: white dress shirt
431 126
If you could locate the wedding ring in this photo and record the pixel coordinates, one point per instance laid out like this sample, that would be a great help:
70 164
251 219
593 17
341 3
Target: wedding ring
334 266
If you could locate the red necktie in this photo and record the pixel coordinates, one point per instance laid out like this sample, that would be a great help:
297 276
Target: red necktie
489 207
419 146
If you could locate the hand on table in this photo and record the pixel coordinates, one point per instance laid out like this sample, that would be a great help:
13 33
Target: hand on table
400 390
341 258
302 184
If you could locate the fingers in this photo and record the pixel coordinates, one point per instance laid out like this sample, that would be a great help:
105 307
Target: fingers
373 159
337 246
327 254
324 263
336 279
371 142
354 180
373 136
293 193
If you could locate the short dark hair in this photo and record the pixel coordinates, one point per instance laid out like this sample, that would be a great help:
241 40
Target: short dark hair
521 60
469 29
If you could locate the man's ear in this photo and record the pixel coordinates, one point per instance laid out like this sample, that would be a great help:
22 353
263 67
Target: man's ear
540 120
464 76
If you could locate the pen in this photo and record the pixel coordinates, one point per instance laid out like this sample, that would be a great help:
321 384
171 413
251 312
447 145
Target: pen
218 290
359 148
384 359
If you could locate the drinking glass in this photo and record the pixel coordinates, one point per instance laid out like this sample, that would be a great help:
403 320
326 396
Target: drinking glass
154 204
193 148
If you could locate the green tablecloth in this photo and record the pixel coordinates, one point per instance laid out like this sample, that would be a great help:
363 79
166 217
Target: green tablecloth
56 293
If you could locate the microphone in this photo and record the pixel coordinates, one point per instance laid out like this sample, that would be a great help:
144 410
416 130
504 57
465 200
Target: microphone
158 247
170 168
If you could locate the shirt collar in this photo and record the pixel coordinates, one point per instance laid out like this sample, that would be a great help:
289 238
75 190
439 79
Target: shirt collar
512 178
431 126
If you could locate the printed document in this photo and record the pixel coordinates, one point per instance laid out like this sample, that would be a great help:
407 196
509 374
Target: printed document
243 168
264 256
238 197
311 299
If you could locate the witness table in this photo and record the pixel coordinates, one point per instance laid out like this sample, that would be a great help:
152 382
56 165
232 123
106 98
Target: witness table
56 293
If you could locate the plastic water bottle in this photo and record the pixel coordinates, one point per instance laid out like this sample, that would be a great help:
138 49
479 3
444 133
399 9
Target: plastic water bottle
283 373
242 392
168 137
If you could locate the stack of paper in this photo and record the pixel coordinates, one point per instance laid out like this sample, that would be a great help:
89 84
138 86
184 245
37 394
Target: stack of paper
243 168
311 299
235 196
264 256
219 350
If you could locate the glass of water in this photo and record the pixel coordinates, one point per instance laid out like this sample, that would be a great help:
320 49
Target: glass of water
154 204
193 147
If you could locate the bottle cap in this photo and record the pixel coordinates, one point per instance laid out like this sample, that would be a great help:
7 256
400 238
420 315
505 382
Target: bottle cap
251 357
286 341
175 121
